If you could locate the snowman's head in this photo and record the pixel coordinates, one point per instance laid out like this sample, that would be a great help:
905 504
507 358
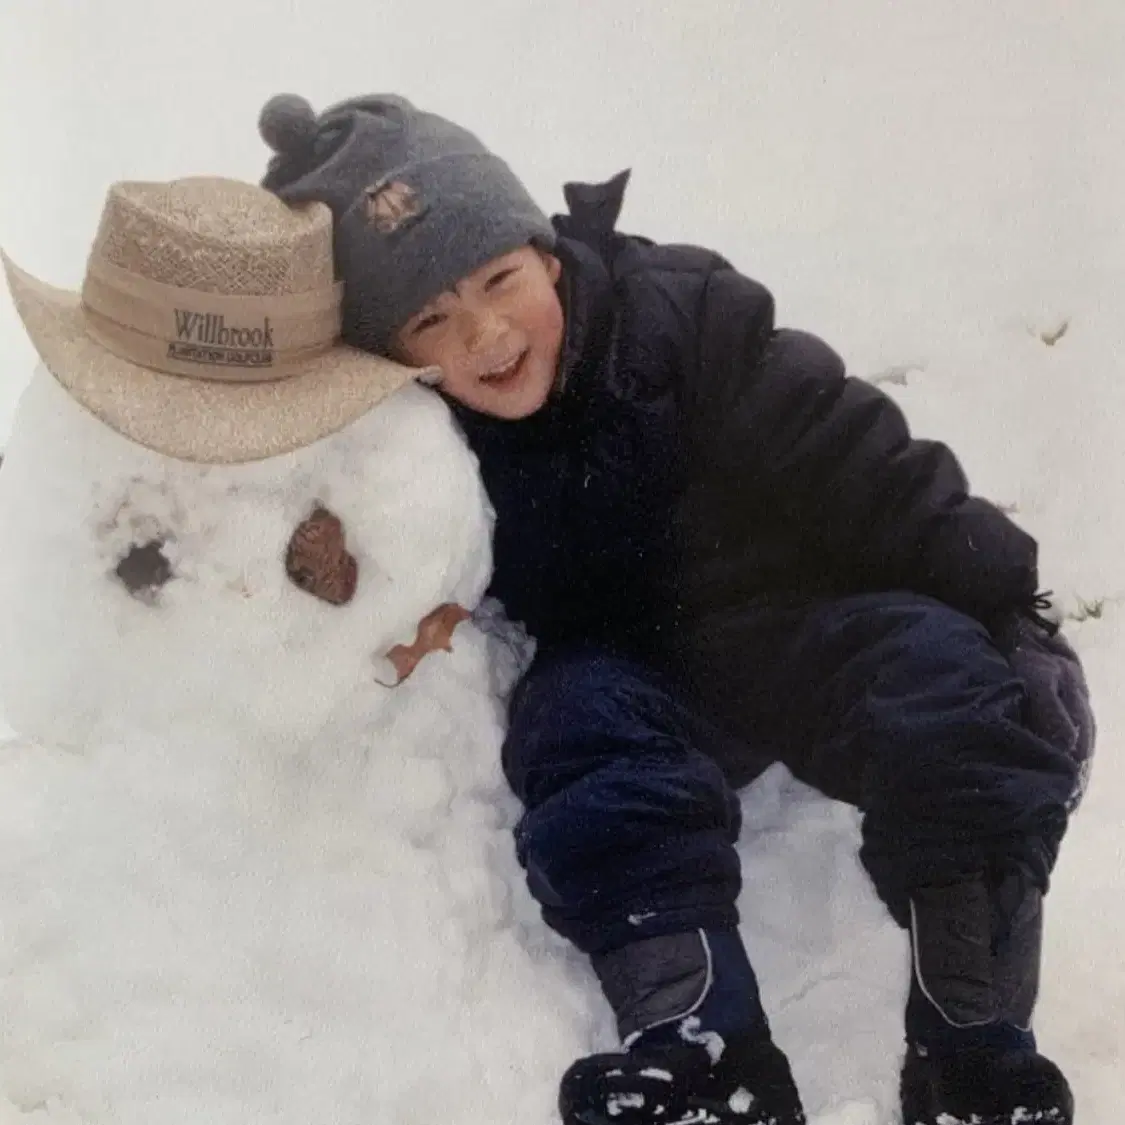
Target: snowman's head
138 591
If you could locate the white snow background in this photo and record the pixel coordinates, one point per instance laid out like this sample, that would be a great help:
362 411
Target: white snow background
936 189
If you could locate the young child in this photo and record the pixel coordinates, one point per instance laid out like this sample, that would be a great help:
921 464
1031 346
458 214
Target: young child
730 554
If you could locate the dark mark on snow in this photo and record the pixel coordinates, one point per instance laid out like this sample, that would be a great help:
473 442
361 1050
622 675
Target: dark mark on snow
144 569
897 376
1052 338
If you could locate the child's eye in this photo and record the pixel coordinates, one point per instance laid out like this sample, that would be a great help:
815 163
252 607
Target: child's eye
501 276
431 321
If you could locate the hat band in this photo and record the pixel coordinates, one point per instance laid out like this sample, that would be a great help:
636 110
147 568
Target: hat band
211 336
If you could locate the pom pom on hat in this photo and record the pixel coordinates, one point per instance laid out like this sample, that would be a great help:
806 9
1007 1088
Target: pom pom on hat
287 124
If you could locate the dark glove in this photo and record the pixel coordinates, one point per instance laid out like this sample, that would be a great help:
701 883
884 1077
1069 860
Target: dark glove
1059 708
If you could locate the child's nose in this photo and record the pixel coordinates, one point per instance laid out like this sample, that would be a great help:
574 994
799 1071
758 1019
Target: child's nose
484 329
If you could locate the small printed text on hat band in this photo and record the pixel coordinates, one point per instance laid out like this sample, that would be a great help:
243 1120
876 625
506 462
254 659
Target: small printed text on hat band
206 338
203 335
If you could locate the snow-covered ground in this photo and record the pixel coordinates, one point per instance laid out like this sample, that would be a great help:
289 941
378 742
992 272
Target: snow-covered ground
934 188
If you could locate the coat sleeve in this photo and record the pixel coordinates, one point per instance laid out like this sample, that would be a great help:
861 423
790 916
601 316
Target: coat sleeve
771 412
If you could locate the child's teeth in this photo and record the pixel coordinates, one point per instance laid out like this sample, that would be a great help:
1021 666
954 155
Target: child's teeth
504 370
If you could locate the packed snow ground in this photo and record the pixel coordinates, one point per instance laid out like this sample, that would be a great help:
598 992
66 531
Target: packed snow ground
204 937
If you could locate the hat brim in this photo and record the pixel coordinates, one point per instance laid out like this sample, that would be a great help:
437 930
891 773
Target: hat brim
194 419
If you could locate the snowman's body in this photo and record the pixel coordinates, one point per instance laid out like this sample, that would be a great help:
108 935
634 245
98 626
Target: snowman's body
242 880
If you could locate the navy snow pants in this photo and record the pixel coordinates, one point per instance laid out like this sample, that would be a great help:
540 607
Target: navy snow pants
892 702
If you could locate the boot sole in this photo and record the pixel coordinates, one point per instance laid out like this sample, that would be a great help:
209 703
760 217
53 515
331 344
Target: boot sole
920 1107
699 1112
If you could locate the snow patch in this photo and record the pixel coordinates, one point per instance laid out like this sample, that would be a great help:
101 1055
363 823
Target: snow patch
741 1101
617 1104
691 1032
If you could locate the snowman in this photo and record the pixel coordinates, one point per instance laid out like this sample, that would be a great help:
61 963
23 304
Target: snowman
255 844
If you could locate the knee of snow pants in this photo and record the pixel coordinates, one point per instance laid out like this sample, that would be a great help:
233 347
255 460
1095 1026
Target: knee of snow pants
904 707
629 825
956 784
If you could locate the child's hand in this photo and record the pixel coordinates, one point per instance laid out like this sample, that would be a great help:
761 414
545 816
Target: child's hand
435 632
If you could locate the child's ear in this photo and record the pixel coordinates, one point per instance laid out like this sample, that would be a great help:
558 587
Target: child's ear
554 266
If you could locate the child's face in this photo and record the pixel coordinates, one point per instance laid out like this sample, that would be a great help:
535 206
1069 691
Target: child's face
496 337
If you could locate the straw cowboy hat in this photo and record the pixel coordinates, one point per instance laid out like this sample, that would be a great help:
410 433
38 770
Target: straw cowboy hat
208 324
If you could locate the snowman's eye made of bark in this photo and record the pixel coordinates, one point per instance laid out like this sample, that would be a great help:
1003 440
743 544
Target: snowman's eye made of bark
317 559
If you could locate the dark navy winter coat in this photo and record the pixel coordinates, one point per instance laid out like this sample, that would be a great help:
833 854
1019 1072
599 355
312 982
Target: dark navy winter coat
697 455
703 473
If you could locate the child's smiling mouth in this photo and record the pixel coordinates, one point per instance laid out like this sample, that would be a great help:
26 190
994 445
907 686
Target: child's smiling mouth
508 374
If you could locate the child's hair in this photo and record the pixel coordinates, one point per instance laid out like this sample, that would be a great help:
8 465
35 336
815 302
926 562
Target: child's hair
419 202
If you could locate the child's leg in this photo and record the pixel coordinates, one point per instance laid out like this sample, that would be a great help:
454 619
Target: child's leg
905 708
628 842
629 830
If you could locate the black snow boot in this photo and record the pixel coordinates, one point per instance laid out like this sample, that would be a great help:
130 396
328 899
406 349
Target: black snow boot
670 1083
984 1086
971 1056
697 1045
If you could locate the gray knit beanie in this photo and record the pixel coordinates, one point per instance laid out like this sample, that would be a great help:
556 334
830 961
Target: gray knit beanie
419 202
